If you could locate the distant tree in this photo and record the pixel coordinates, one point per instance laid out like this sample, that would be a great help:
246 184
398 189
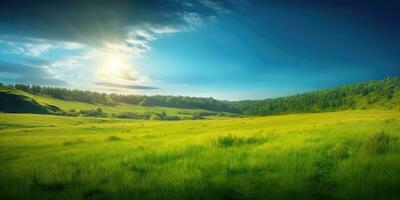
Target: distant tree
379 93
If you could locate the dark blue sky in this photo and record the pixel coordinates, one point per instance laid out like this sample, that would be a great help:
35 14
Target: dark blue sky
225 49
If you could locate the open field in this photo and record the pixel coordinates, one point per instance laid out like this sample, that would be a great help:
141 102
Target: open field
342 155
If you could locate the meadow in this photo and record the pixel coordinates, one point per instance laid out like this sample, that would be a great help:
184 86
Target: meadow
338 155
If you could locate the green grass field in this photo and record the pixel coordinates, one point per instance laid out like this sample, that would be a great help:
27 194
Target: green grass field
342 155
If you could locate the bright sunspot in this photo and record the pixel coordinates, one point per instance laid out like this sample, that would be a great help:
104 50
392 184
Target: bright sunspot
113 64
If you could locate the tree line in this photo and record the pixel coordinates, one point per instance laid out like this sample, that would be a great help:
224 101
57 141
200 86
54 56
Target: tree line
372 94
66 94
381 94
110 99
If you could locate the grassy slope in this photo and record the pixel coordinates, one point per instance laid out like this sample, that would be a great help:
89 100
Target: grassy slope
304 156
121 107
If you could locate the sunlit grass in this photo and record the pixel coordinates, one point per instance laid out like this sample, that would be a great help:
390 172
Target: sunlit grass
306 156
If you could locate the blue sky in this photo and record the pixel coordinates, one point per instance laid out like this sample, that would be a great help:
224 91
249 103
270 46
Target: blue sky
224 49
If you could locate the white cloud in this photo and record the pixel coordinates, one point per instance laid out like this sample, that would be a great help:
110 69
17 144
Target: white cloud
164 30
193 21
33 46
131 41
138 39
216 6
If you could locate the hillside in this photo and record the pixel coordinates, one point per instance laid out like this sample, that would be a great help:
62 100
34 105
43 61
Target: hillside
378 94
16 101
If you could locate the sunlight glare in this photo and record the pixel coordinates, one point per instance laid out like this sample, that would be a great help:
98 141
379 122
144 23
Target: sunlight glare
113 64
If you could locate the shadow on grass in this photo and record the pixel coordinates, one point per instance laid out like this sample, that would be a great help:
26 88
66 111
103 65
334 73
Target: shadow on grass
73 142
36 184
377 143
153 159
231 141
94 194
113 139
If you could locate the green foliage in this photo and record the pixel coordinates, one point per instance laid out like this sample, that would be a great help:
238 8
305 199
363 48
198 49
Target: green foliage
339 151
93 113
155 117
184 102
132 115
49 105
102 98
66 94
113 138
372 94
377 143
197 116
367 95
231 140
202 115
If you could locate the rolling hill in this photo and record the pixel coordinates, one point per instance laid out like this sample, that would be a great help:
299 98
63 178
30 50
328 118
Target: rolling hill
378 94
13 100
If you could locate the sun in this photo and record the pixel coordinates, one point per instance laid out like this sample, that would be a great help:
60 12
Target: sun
113 64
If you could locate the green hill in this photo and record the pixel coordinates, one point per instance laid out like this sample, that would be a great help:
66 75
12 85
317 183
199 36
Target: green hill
378 94
16 101
13 101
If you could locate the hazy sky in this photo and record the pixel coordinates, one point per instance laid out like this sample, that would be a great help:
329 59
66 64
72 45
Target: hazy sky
233 49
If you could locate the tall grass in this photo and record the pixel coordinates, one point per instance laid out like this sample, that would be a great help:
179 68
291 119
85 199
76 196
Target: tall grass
310 156
232 140
377 143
